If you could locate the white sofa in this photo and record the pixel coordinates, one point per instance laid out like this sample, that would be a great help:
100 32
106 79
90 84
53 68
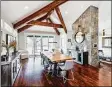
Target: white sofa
24 54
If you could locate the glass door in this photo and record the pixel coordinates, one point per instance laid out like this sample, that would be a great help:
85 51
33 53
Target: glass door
38 45
45 46
34 45
51 43
30 45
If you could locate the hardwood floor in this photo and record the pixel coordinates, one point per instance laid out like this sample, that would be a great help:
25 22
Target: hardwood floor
32 73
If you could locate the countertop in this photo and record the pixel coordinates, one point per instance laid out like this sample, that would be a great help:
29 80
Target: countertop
11 58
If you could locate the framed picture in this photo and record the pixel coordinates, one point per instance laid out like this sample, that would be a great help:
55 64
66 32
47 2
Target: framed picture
106 42
9 39
95 45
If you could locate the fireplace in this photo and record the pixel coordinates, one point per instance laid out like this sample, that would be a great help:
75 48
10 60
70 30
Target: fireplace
82 58
79 57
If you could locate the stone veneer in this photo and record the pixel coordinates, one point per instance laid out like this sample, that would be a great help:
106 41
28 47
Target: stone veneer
89 23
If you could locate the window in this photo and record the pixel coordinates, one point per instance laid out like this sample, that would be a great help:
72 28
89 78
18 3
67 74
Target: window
45 42
38 43
107 42
51 43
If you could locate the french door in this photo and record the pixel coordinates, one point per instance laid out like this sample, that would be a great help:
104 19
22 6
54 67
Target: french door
36 44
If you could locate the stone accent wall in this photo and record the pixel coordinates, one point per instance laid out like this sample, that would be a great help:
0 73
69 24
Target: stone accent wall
89 23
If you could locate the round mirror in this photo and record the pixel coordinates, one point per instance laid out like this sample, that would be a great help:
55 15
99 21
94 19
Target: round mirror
79 37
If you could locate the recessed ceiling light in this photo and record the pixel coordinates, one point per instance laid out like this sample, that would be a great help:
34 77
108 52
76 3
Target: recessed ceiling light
26 7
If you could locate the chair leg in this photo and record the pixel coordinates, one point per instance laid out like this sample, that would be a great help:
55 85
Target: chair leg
58 72
50 70
64 80
41 61
72 76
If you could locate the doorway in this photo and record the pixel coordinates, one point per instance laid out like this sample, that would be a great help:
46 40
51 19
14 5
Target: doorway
37 43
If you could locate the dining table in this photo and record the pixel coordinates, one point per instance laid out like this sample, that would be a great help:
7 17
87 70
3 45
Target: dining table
56 57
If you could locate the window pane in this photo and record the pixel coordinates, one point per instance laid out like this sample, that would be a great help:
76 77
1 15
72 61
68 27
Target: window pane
51 39
51 43
30 44
45 42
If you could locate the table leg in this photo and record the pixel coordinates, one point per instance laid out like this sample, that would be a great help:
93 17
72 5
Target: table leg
55 69
67 73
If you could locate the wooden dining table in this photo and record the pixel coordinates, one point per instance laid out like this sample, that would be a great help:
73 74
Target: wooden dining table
56 57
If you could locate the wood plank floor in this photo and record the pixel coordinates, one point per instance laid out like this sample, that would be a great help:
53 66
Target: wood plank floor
32 73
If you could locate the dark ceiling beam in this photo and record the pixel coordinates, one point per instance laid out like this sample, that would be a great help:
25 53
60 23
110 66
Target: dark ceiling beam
42 11
28 26
61 18
45 24
49 20
24 28
56 30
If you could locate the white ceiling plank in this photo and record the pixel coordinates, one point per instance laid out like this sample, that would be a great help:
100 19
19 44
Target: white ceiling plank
71 10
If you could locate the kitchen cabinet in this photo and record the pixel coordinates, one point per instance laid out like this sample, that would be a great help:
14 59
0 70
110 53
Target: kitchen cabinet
10 70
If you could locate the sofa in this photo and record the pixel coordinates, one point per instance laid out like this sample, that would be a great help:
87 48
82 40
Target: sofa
24 54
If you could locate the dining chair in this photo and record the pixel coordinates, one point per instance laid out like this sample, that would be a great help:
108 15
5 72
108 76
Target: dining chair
61 63
48 65
101 54
69 65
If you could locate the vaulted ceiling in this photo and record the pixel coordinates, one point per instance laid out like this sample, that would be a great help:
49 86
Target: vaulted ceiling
63 15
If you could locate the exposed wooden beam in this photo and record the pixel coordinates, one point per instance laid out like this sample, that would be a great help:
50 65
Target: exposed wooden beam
61 18
58 33
45 24
42 18
42 11
28 26
49 20
24 28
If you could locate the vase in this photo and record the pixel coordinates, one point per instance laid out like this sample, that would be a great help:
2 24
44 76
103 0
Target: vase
14 50
7 56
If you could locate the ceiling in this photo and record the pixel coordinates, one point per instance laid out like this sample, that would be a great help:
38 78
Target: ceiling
71 10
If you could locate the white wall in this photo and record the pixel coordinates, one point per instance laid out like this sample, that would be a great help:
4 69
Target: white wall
7 30
57 39
65 37
21 41
105 23
6 19
69 36
63 41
